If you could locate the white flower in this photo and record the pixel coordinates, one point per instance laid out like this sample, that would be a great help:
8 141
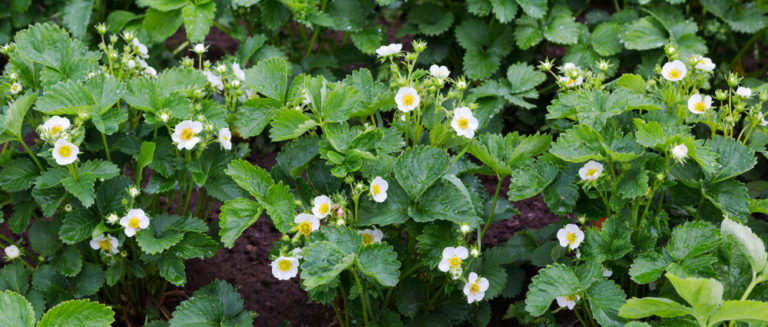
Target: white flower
704 63
140 48
214 80
12 76
465 228
134 191
134 221
568 301
199 48
112 218
570 82
12 252
591 171
680 151
297 253
474 252
64 152
131 64
763 121
744 92
475 288
674 70
389 50
68 207
106 243
55 125
225 138
164 117
607 273
461 85
185 134
15 88
239 73
570 236
407 99
371 236
452 259
699 104
570 66
150 71
379 188
321 206
439 72
307 223
221 69
284 268
464 123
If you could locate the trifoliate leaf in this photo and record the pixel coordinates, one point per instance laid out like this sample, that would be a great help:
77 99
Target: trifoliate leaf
551 282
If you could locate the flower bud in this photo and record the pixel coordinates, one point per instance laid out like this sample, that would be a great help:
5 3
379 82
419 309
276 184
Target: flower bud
68 207
199 48
465 229
101 28
112 218
474 252
720 95
134 191
419 46
411 56
733 80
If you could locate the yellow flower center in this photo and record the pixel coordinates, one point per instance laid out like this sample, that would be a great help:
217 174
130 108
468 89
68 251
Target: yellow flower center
674 73
569 82
571 298
14 88
375 189
408 99
702 62
56 129
224 137
463 123
571 237
367 238
105 244
305 228
591 172
474 288
700 106
284 265
187 134
454 262
65 151
134 222
324 208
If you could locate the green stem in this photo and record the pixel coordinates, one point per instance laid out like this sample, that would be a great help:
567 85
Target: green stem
106 147
346 306
493 207
189 190
31 155
181 47
362 297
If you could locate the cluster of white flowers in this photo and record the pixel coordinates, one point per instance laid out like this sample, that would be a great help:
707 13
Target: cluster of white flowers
54 128
214 80
572 76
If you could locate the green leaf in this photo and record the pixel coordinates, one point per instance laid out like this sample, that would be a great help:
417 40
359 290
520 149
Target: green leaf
649 134
14 277
152 241
533 8
323 262
420 167
15 310
254 115
51 46
605 39
644 34
653 306
526 182
280 206
605 299
527 32
164 5
289 124
610 243
198 20
734 158
171 267
731 197
504 11
81 188
411 296
648 267
255 180
551 282
339 103
379 261
18 175
77 16
753 311
43 237
68 262
269 77
703 294
445 200
561 27
747 242
479 65
633 184
118 19
97 94
196 245
431 19
114 273
579 144
237 215
631 82
692 239
83 313
523 77
743 18
14 115
162 24
201 310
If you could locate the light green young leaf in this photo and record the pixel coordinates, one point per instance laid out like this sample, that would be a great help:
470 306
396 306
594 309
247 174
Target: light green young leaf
269 77
750 244
703 294
290 124
752 311
653 306
83 313
14 115
15 310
